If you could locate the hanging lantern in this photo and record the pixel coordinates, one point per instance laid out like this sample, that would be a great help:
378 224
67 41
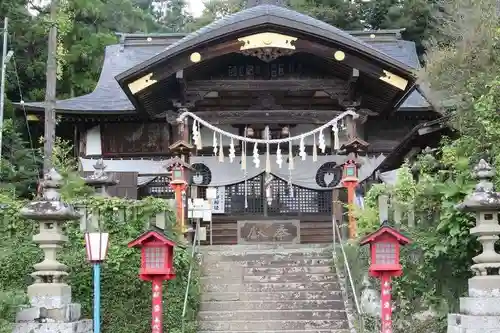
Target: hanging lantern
250 131
285 131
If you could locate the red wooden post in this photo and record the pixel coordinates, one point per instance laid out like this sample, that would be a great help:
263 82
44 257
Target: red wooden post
157 265
157 306
385 247
385 299
179 184
350 181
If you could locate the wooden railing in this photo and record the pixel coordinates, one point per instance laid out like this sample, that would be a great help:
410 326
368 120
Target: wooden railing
407 214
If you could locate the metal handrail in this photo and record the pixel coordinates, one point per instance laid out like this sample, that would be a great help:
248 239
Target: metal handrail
196 243
337 233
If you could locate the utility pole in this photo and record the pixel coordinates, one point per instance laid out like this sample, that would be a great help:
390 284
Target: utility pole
2 83
50 91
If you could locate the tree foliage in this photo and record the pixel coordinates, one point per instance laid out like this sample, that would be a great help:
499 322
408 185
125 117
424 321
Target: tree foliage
123 293
462 69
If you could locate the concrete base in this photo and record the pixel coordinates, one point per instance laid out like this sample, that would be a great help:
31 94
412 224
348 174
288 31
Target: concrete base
459 323
483 306
484 286
81 326
67 313
49 295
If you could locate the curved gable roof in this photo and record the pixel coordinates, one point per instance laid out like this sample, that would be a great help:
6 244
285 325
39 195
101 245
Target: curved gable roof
268 15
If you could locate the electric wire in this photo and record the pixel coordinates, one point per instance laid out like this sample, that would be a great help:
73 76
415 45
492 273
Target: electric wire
21 97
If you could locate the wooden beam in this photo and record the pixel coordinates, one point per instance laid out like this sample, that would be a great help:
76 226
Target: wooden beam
267 85
268 116
353 84
182 85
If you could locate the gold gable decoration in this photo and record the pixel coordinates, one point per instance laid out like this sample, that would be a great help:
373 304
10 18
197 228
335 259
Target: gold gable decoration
142 83
267 46
394 80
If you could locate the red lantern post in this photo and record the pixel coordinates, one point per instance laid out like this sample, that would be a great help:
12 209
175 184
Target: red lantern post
350 181
179 185
385 247
157 257
179 171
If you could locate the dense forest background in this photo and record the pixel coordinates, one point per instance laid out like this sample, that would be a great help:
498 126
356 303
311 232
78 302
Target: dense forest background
87 26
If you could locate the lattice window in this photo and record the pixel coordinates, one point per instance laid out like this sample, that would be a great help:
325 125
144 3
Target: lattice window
235 197
298 200
385 253
155 257
158 188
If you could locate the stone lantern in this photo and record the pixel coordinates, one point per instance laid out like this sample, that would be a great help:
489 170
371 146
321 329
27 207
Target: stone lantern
100 179
480 311
51 309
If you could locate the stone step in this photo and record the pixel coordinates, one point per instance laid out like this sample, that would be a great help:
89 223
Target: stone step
287 270
235 269
239 315
273 305
298 277
269 260
272 325
271 287
233 248
266 296
287 331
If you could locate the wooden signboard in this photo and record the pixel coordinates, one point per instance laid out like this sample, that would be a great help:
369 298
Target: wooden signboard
269 232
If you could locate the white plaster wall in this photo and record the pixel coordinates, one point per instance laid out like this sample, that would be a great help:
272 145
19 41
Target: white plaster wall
93 137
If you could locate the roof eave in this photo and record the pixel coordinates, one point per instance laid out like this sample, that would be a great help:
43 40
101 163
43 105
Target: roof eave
33 108
277 22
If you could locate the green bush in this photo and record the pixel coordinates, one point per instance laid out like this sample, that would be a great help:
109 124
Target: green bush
9 304
126 300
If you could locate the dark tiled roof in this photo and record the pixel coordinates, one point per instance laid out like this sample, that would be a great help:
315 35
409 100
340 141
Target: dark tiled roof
119 58
269 15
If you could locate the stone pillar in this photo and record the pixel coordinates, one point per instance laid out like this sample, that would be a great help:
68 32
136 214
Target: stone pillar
50 297
480 311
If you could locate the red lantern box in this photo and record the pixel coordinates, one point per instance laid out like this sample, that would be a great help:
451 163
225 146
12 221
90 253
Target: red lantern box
385 246
157 264
157 255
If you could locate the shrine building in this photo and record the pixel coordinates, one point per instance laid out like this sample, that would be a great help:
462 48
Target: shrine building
264 72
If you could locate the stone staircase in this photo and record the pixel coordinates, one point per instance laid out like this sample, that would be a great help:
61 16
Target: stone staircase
270 289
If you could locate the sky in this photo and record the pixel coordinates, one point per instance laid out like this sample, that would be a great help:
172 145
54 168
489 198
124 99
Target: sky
195 6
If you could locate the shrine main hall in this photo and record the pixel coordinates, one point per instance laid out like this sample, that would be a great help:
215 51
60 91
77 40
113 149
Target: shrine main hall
264 73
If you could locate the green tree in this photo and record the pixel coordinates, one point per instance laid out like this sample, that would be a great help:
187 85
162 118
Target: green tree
19 167
462 71
415 16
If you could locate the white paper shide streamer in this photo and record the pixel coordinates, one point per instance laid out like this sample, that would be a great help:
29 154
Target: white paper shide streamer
221 149
232 151
196 133
336 140
215 144
302 149
279 157
322 142
256 159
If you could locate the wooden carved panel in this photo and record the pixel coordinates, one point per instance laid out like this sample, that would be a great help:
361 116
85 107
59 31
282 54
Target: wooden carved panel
135 138
279 231
239 67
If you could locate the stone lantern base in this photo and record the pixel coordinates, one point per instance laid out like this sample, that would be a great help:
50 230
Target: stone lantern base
51 311
480 312
81 326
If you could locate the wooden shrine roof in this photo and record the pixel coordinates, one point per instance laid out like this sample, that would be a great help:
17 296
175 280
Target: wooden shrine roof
137 51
